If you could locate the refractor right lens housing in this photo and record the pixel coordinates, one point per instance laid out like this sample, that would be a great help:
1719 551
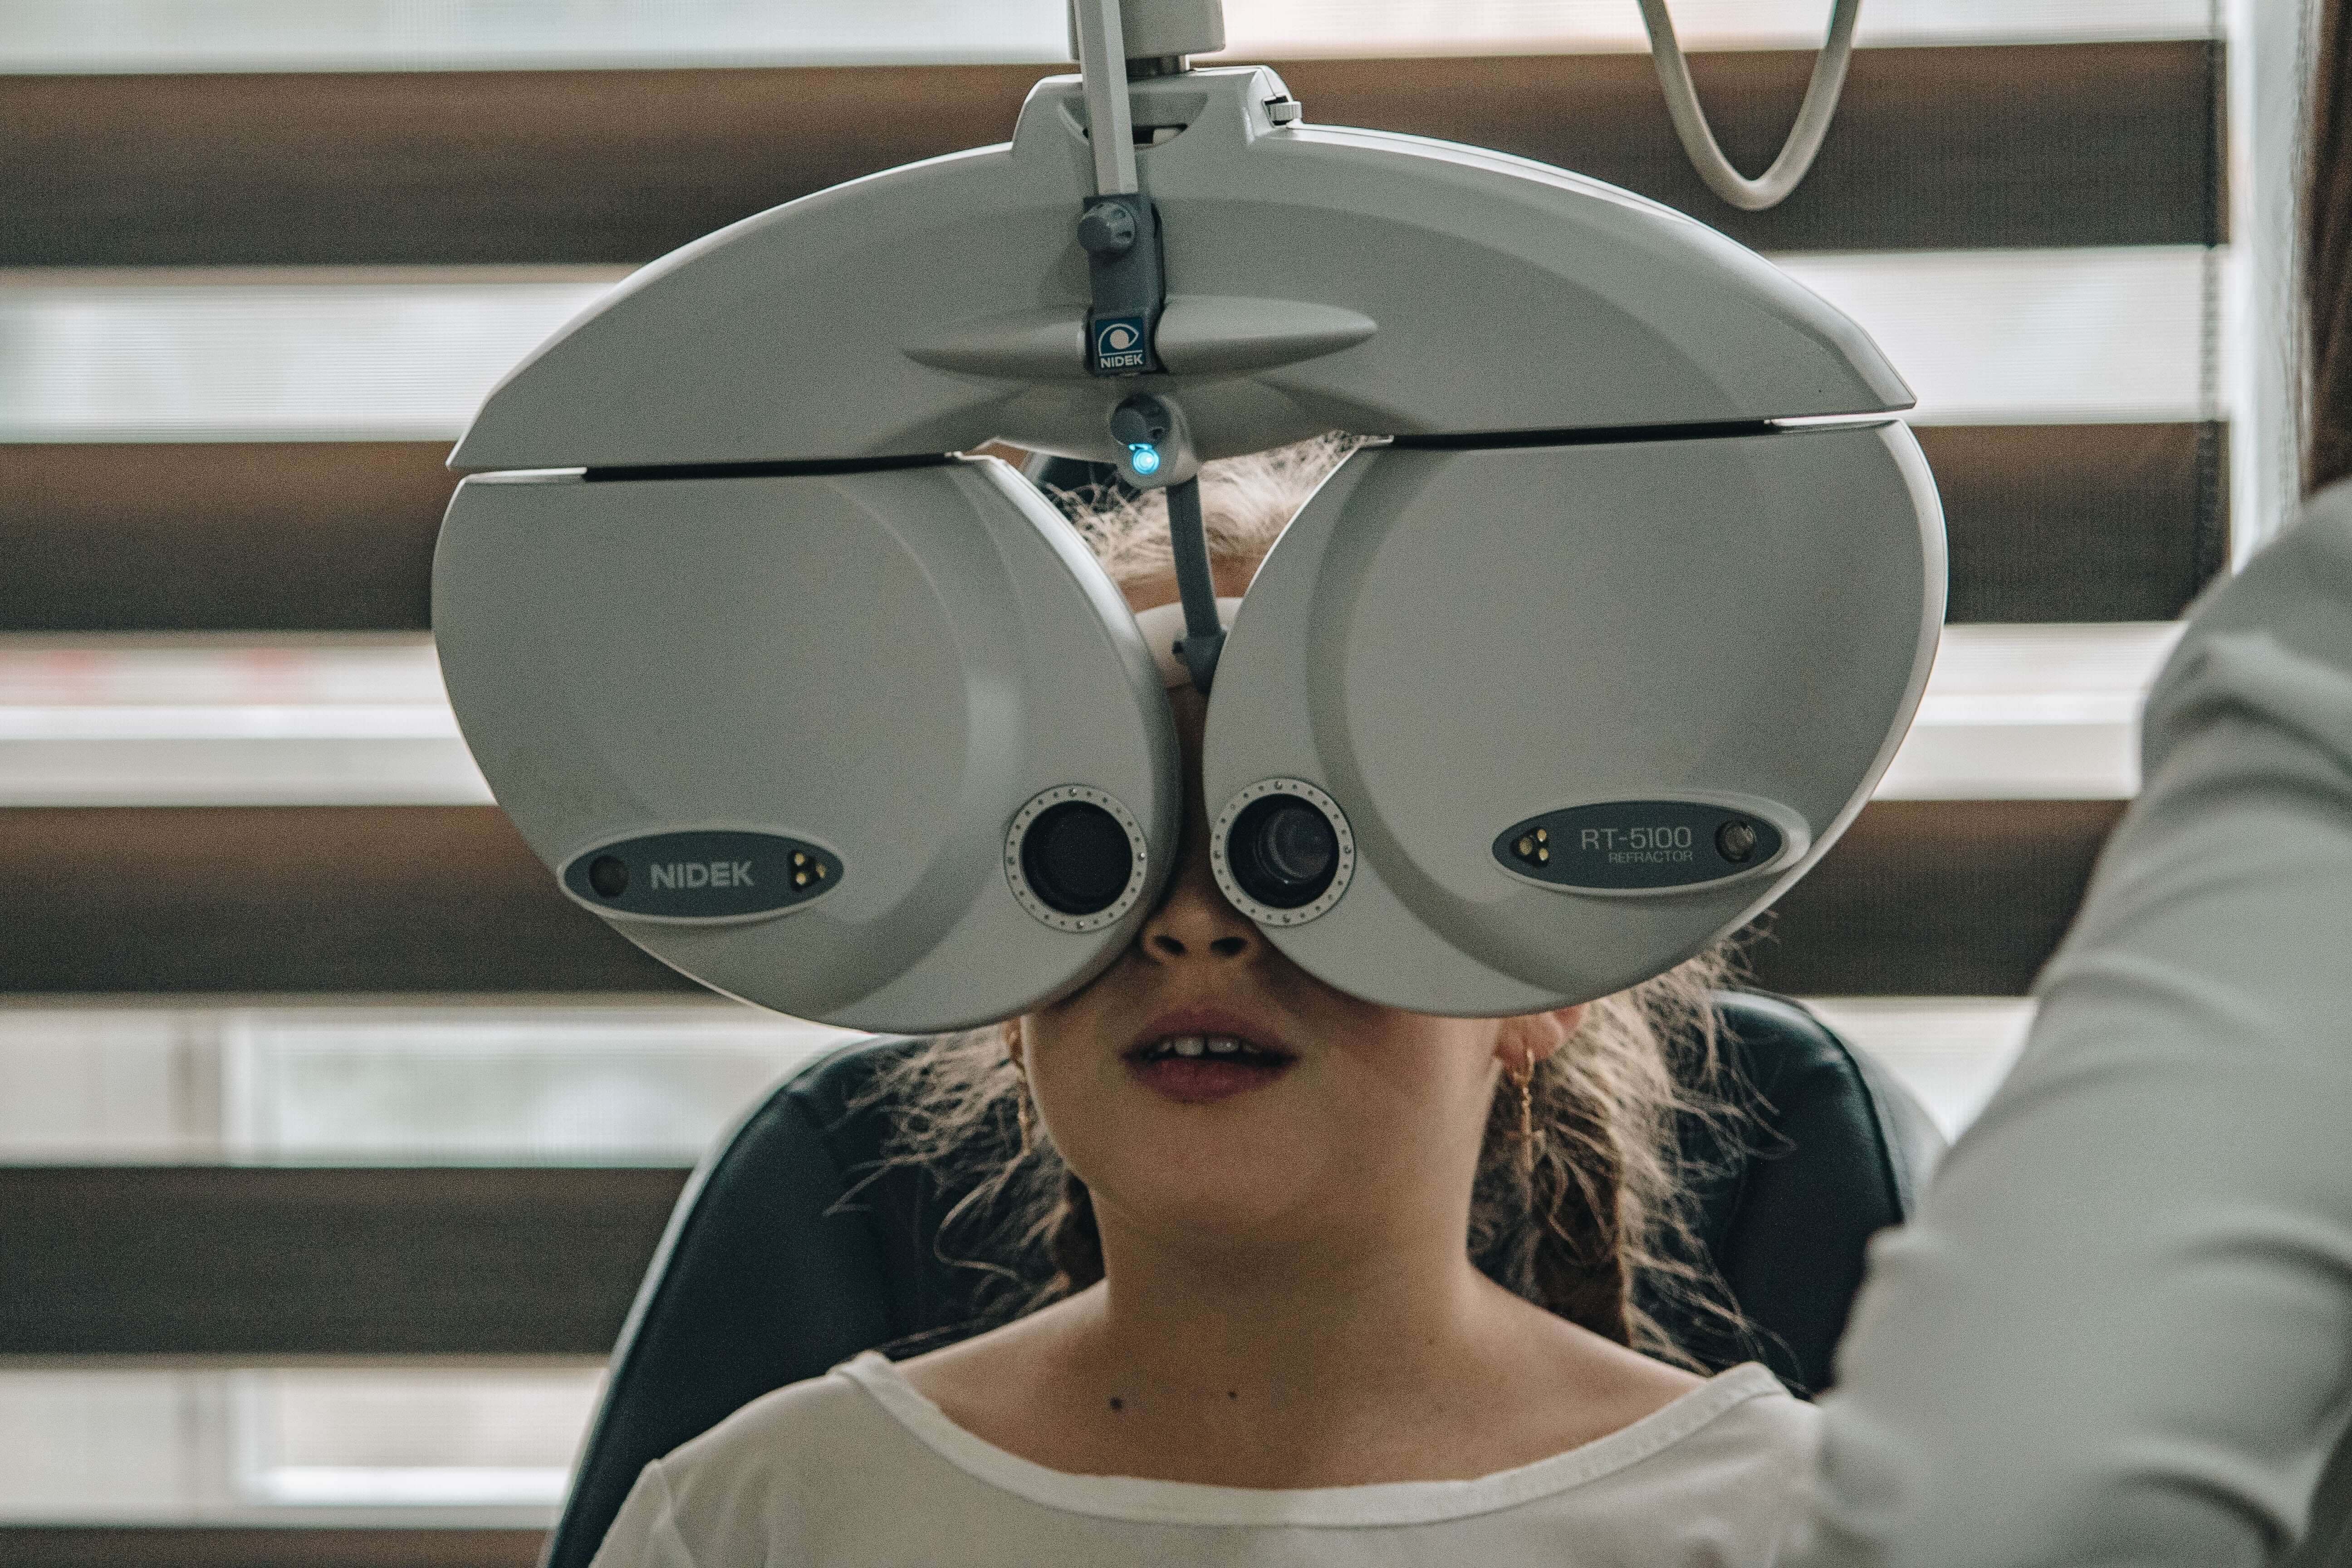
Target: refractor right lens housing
1283 851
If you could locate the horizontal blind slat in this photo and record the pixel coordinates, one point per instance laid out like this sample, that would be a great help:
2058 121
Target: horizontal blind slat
1920 898
2053 144
259 1262
155 1546
1935 899
2093 522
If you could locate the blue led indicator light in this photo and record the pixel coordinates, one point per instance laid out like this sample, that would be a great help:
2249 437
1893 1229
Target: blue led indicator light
1143 458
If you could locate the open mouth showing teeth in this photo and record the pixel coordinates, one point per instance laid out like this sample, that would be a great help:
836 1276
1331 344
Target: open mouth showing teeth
1211 1047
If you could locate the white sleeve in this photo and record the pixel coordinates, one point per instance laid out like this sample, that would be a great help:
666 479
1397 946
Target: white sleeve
2120 1330
645 1533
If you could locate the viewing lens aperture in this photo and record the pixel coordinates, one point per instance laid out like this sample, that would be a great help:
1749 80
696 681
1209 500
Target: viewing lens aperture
1076 858
1297 844
1283 851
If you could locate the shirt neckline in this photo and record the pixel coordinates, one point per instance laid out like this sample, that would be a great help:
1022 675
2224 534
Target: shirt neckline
1138 1499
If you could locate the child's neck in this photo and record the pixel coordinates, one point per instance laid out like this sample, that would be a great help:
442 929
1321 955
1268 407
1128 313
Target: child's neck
1292 1366
1306 1326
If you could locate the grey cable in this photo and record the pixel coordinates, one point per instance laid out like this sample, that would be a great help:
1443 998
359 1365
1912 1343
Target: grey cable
1196 585
1805 139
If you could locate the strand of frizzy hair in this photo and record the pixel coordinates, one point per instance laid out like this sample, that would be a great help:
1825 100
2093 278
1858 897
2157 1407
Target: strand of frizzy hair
1567 1251
1599 1218
1072 1239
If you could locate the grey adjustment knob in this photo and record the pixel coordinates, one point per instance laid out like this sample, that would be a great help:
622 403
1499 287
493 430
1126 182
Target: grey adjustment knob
1107 228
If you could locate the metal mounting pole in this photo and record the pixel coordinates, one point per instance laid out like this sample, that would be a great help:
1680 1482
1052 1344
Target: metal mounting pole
1102 62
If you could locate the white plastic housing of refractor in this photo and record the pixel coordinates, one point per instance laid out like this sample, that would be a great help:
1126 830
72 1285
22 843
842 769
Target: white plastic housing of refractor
879 668
1319 279
773 639
1737 622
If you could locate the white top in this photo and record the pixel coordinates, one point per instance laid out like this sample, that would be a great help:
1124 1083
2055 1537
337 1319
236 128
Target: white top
857 1468
2120 1328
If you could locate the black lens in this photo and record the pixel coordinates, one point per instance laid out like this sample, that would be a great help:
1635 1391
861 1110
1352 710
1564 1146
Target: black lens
609 875
1299 846
1283 851
1076 858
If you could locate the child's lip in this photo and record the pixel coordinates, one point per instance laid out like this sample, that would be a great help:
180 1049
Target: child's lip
1202 1079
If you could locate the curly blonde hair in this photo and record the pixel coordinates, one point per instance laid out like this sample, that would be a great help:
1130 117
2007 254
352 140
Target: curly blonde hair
1594 1219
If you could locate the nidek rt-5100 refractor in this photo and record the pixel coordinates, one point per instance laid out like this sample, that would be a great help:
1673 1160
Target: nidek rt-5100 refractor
1577 671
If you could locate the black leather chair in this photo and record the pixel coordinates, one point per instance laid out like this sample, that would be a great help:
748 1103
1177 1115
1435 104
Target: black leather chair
763 1279
1073 476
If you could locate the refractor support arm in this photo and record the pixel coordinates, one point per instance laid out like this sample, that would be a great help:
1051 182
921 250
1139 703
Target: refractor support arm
1204 634
1119 228
1125 268
1158 453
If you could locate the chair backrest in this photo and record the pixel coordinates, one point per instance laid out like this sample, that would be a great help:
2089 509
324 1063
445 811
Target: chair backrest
764 1279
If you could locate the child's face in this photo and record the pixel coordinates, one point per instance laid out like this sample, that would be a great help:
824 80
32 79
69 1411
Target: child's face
1335 1123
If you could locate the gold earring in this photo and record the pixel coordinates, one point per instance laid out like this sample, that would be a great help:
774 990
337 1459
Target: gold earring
1024 1111
1523 1078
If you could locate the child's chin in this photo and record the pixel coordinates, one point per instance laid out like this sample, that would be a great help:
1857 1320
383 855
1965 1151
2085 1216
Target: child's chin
1215 1191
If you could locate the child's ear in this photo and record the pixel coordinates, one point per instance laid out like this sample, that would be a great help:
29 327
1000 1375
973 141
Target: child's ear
1533 1036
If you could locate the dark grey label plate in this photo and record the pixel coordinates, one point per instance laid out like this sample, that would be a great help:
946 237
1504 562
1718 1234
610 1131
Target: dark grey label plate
1624 845
701 873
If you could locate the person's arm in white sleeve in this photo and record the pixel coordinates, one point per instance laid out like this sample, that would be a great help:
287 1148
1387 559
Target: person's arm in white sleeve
2120 1328
645 1533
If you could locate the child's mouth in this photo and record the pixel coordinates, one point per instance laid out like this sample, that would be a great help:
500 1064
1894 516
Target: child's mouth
1197 1069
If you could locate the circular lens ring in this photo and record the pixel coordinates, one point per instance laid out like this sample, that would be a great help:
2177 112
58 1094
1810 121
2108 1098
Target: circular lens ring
1221 833
1033 900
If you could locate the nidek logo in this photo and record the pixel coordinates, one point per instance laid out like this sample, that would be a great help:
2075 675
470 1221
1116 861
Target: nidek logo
1119 344
703 874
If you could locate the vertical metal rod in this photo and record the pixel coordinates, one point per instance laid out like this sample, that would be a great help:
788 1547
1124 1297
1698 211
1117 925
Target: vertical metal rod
1110 122
1196 584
